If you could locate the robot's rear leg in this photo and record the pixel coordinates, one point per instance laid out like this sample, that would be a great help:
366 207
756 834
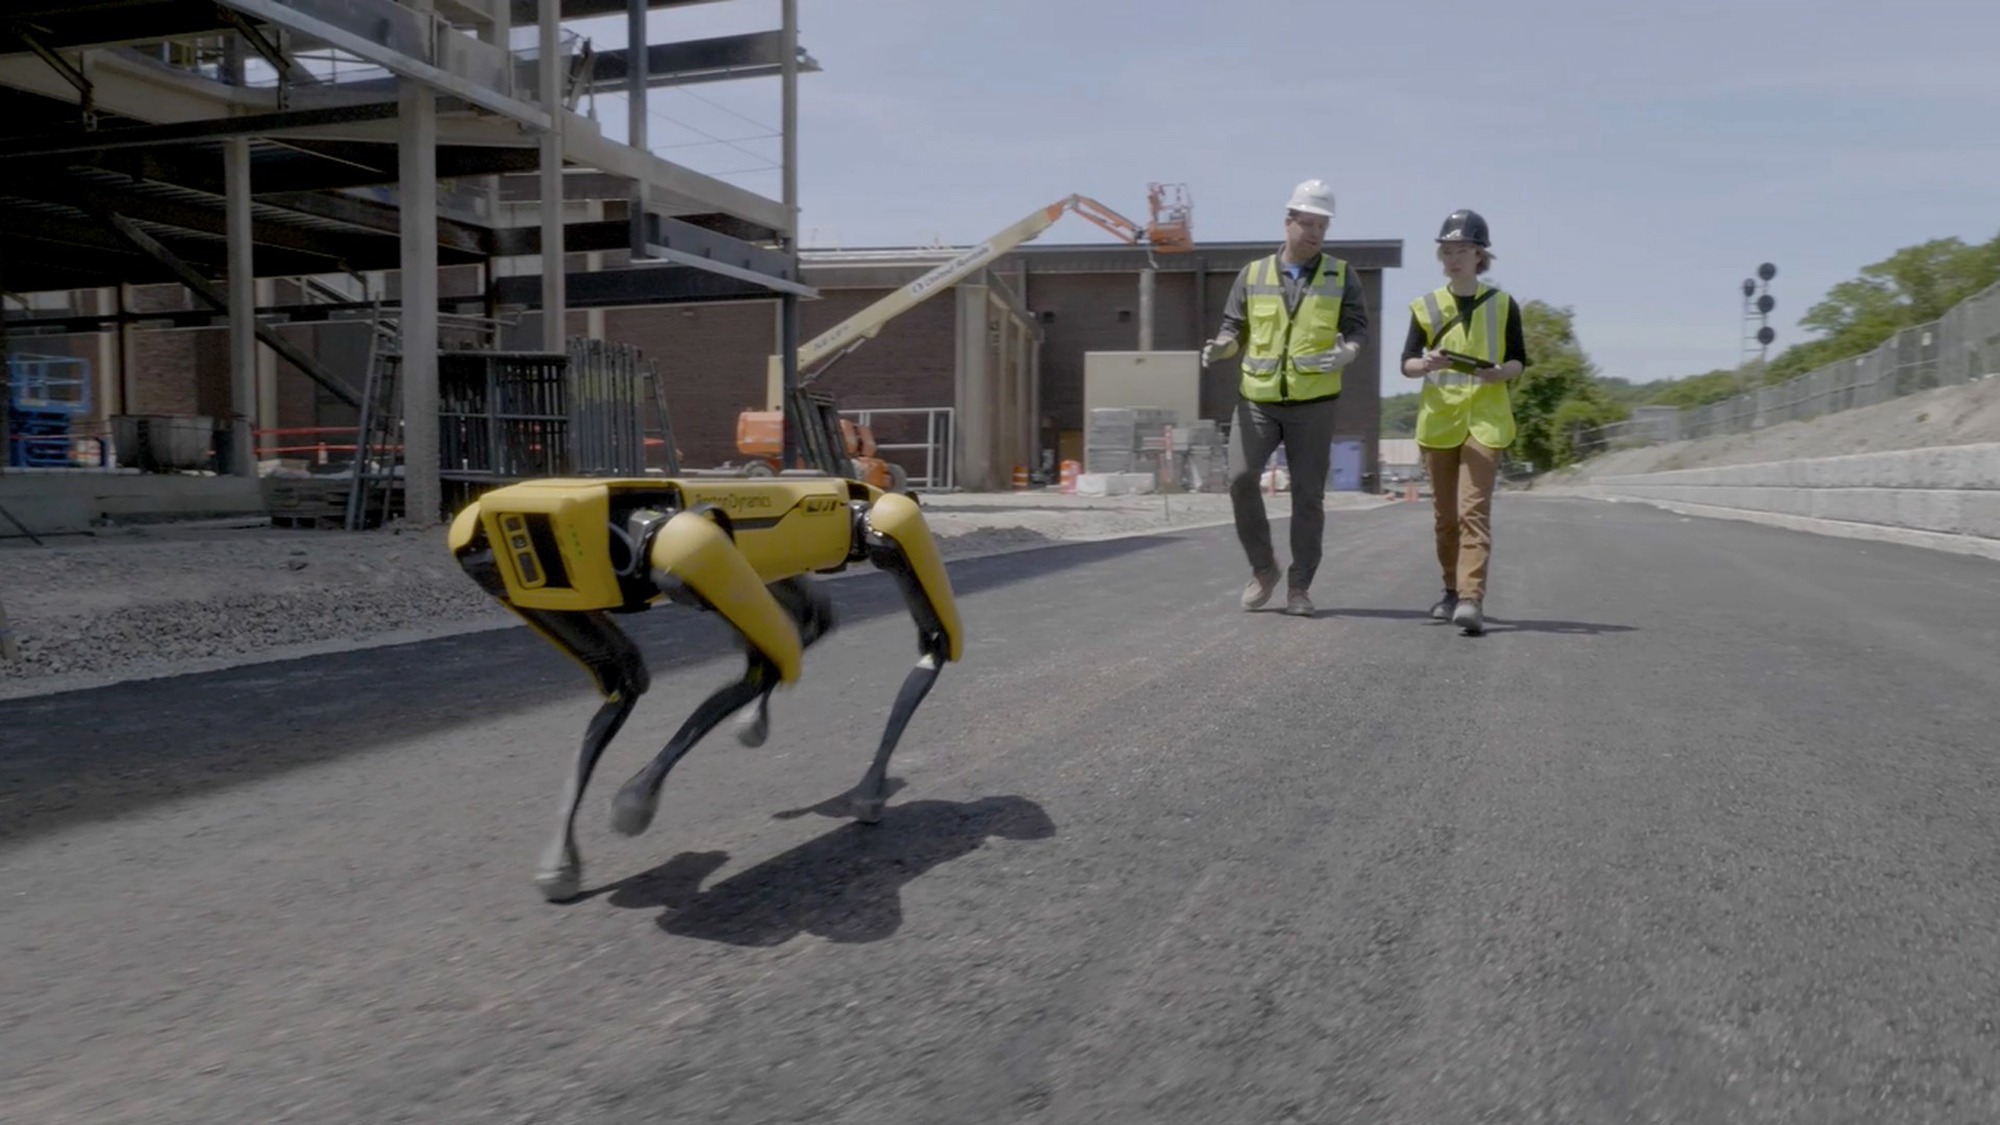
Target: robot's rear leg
814 614
632 810
692 554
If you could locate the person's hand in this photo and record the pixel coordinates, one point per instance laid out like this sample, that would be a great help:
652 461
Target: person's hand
1432 361
1490 375
1222 347
1344 351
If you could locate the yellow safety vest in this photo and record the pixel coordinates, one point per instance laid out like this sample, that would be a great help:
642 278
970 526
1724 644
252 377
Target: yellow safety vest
1289 358
1454 404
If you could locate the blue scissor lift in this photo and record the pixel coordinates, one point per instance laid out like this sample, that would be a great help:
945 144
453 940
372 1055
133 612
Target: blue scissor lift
46 394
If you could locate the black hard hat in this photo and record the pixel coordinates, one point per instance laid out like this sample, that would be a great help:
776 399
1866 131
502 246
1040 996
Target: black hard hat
1464 226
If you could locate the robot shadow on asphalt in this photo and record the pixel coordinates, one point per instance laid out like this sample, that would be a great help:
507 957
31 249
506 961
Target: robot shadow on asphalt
844 885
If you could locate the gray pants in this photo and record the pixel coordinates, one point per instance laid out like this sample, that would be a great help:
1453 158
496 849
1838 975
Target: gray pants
1307 433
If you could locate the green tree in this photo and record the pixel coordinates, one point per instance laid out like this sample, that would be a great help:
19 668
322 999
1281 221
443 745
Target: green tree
1696 390
1626 391
1399 415
1559 392
1914 285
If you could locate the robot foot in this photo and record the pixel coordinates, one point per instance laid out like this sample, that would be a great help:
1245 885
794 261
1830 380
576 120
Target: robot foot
562 881
632 810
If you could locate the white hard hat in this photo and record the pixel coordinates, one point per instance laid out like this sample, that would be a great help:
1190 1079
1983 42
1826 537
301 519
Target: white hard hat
1313 197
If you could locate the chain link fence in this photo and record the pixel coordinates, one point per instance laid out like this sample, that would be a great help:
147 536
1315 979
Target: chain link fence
1962 346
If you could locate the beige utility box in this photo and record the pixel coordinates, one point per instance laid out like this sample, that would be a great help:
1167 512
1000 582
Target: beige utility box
1167 380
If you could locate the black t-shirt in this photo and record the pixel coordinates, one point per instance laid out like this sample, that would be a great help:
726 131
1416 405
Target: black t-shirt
1517 345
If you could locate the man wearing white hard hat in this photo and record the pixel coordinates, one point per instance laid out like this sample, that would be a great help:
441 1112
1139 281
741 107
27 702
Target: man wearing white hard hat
1298 318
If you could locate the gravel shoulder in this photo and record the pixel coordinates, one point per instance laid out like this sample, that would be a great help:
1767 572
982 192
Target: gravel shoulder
165 599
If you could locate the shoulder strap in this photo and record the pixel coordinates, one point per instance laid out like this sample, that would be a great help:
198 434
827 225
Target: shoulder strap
1465 309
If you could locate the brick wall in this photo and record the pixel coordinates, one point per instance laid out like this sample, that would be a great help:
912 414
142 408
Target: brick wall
1100 312
712 357
712 361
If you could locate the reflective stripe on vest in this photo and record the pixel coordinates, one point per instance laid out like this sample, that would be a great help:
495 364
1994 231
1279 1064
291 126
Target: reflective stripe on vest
1455 405
1290 353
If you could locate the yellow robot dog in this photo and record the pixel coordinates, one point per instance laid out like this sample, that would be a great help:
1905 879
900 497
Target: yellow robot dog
564 554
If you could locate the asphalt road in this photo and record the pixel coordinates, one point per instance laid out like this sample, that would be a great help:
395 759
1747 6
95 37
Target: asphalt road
1705 829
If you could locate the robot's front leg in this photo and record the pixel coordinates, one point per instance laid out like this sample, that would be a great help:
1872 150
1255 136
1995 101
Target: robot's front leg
899 541
604 650
693 557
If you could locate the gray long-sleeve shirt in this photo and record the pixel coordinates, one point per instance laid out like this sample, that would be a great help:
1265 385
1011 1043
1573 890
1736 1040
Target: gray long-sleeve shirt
1353 309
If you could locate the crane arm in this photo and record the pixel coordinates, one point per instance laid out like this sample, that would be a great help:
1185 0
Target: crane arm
816 353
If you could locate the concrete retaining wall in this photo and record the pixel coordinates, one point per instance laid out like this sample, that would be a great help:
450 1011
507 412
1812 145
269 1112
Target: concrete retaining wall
55 502
1946 491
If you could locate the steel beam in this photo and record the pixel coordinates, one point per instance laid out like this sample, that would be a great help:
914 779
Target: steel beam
770 285
671 188
299 167
524 10
86 92
134 136
638 286
178 213
758 54
382 218
67 24
86 253
673 239
201 288
397 62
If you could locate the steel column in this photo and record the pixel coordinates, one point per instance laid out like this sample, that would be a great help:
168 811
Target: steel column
423 497
637 48
242 311
554 313
788 34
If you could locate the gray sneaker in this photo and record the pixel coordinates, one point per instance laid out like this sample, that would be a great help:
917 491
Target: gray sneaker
1259 590
1469 619
1297 604
1444 607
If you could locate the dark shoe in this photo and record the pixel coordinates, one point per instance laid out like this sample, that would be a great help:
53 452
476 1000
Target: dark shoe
1469 619
1259 590
1442 610
1297 604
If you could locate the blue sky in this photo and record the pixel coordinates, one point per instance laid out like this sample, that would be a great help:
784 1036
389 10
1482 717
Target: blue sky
1636 162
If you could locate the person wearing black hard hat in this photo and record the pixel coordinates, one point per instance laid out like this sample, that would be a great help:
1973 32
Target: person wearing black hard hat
1465 342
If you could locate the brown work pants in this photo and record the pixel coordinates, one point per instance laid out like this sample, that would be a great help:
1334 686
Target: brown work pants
1462 500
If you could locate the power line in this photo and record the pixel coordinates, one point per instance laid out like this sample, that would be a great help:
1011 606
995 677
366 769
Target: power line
657 115
725 109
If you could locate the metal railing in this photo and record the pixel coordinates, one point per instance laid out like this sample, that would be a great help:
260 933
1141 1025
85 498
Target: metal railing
938 424
1960 347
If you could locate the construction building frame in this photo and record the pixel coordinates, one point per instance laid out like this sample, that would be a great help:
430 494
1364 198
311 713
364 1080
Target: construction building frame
224 144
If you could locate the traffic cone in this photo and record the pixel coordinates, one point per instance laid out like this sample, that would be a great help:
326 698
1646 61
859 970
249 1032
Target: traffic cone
1070 470
1020 478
